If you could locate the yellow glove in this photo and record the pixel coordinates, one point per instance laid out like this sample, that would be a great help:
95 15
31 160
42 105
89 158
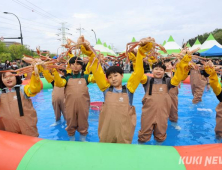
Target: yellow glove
68 69
151 61
137 75
91 79
59 82
89 53
40 68
214 83
33 87
146 48
48 76
99 76
70 55
132 58
182 70
87 71
144 79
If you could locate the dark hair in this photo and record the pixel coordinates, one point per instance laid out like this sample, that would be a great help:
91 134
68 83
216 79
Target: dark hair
159 64
7 64
73 60
196 53
114 69
168 61
18 79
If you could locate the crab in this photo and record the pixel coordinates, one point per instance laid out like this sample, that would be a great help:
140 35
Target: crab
155 47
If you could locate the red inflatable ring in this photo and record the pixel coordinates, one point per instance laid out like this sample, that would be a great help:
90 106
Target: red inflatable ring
96 105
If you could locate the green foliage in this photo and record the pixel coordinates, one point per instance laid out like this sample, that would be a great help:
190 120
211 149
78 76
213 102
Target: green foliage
217 33
5 56
15 51
3 48
52 55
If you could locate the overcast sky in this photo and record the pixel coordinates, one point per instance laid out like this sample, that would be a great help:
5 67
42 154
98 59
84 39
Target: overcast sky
115 22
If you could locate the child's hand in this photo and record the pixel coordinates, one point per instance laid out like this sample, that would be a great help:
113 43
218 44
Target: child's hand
86 52
132 57
187 58
209 68
146 48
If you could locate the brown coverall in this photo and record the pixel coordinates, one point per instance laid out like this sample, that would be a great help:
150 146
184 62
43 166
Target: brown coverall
58 103
155 112
1 125
174 98
218 128
174 107
117 119
9 114
198 83
77 103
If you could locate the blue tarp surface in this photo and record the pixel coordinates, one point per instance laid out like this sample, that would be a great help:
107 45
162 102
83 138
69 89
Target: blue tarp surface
214 51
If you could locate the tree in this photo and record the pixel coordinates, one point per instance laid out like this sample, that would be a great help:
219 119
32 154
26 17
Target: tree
3 47
16 51
217 33
5 56
52 55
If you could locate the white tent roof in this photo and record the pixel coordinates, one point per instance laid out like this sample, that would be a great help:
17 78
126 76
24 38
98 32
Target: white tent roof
171 44
110 52
99 46
209 43
196 45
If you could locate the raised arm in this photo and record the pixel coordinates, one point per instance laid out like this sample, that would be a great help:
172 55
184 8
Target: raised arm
182 70
214 83
138 73
34 86
96 69
48 76
58 81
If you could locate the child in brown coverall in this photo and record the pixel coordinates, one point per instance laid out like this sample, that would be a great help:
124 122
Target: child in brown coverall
198 81
77 100
157 101
214 83
17 112
117 119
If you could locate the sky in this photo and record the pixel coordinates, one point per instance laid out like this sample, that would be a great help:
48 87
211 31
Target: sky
115 22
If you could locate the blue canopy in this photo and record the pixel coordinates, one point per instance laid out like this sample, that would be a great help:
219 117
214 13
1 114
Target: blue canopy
214 51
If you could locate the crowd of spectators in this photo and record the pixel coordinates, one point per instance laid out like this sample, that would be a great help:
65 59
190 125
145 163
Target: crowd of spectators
127 67
13 65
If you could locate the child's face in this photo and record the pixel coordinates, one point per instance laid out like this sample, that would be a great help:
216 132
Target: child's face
158 72
168 66
9 80
115 79
76 67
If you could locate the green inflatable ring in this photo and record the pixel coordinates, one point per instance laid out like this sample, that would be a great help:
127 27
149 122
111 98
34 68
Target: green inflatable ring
126 77
46 85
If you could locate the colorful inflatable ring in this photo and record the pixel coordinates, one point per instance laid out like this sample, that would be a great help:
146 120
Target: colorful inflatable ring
187 80
126 76
96 105
24 152
25 82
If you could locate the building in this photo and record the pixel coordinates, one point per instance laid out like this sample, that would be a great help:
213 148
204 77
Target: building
8 43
